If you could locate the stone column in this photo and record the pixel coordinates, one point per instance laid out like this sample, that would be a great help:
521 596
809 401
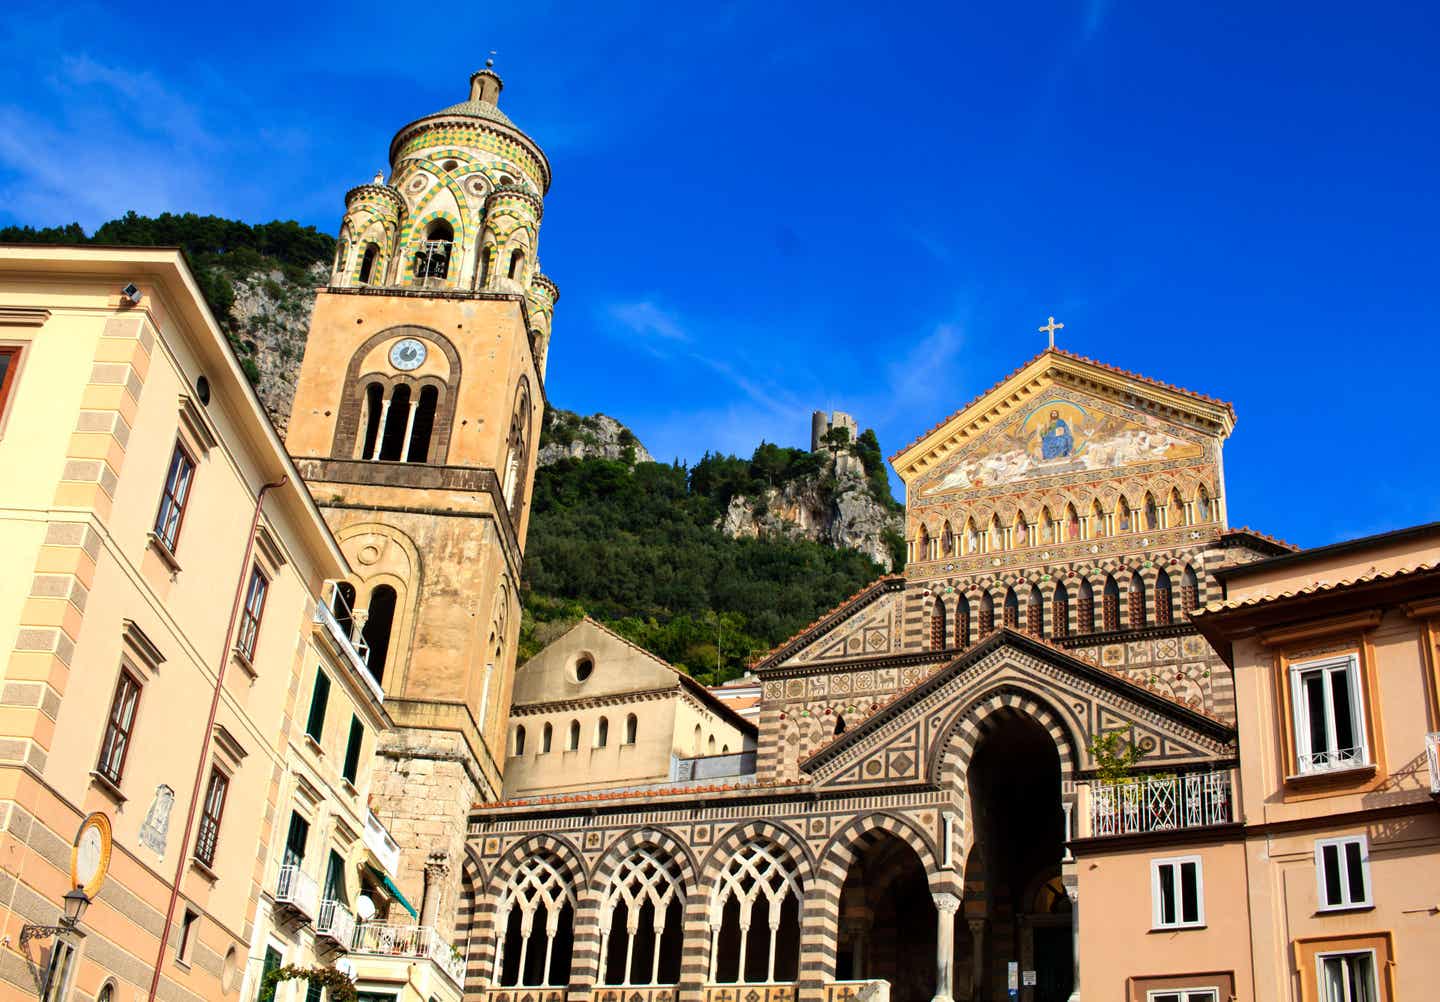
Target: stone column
437 867
946 905
977 957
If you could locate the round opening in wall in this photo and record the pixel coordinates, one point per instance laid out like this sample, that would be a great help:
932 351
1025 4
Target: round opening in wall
202 390
584 667
450 165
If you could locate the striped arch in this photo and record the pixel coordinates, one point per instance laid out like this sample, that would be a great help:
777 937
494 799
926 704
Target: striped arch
820 911
480 963
950 754
661 838
474 917
796 850
566 851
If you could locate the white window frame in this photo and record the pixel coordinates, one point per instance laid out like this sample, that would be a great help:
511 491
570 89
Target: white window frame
1320 959
1156 919
60 970
1183 995
1347 903
1304 758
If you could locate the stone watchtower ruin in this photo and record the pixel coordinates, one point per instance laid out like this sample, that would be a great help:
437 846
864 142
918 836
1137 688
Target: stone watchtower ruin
416 417
821 425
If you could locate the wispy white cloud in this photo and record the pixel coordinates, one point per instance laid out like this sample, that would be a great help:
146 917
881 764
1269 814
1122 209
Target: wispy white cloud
648 320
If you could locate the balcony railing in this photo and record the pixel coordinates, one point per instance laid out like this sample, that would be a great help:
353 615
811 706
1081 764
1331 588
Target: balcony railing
414 941
325 617
379 842
1432 756
1160 803
298 890
335 922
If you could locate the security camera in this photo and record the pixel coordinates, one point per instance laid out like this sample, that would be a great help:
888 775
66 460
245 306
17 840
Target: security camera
132 292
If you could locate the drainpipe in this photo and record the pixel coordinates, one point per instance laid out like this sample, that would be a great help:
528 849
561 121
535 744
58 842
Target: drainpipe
209 729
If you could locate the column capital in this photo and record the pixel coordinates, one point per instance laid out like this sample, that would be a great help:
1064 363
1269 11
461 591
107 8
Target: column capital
946 902
977 926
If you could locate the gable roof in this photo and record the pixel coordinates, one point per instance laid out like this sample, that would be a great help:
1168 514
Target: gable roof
1003 637
696 689
828 621
1051 360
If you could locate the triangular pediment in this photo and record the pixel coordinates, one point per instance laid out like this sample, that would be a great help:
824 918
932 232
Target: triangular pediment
904 742
867 624
1060 414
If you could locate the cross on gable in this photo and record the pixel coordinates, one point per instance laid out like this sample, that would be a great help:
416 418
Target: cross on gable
1050 328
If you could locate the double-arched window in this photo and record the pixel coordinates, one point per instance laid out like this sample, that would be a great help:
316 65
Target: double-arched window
517 447
432 256
755 918
642 917
535 925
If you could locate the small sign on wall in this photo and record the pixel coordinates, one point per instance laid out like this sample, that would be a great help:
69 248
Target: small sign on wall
1029 979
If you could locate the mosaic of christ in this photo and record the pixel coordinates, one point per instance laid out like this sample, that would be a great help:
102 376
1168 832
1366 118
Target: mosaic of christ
1062 436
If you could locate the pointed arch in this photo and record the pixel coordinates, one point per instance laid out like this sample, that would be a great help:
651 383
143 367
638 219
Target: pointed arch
937 625
1085 607
1189 590
1022 529
1124 522
947 540
1110 604
1097 520
987 613
996 535
1073 531
1135 601
1152 513
1035 612
922 543
517 451
1203 511
972 536
1011 609
1175 512
962 621
1164 607
1060 611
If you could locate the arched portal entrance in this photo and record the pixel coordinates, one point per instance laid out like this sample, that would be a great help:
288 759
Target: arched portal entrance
887 920
1019 826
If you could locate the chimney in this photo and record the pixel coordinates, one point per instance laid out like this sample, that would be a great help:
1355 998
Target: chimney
485 85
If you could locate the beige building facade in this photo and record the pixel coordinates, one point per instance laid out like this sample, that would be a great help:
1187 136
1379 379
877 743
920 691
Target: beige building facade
152 646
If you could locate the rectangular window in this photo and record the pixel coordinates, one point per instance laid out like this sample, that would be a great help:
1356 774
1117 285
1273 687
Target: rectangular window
352 750
174 498
335 879
1342 867
1177 893
58 972
1347 977
1329 724
319 700
250 615
118 728
272 962
1184 995
185 946
9 363
209 837
295 840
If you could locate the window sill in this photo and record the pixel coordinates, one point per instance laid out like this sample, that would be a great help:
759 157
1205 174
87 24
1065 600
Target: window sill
110 789
165 553
349 787
1317 776
203 870
313 744
245 663
1369 906
1179 928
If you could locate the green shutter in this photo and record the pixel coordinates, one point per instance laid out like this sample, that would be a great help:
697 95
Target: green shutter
315 727
352 750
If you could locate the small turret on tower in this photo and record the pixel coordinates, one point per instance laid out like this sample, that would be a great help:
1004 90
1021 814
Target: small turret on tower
486 85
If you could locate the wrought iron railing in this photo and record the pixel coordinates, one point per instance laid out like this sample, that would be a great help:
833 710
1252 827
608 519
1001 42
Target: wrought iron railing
336 922
415 941
326 617
1432 757
1160 803
379 841
297 889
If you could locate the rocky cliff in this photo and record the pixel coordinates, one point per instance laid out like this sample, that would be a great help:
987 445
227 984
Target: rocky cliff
269 320
838 508
567 435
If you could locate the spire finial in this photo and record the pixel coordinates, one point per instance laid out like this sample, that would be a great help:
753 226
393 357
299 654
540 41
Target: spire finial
490 63
1050 328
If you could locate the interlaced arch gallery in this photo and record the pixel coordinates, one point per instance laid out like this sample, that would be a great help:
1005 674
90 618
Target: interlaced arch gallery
926 754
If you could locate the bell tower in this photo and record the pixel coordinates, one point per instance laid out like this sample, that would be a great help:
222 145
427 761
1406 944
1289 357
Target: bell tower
415 422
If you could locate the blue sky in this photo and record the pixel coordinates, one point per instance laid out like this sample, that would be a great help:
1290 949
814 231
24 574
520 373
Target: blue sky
763 208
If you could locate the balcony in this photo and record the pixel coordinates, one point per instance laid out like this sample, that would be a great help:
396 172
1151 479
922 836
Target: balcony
327 619
1159 803
416 942
1432 757
335 923
297 891
384 848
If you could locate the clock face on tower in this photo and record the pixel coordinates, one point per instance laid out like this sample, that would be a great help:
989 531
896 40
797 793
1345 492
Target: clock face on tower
407 354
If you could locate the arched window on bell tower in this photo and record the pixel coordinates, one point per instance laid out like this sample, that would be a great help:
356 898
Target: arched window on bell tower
432 257
367 263
517 448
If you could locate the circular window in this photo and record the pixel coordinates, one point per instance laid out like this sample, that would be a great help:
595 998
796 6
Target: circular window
230 970
583 668
202 389
450 165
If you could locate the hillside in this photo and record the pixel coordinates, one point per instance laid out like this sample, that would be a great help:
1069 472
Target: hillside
259 280
704 565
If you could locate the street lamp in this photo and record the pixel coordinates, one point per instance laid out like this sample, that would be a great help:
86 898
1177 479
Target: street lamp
76 901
